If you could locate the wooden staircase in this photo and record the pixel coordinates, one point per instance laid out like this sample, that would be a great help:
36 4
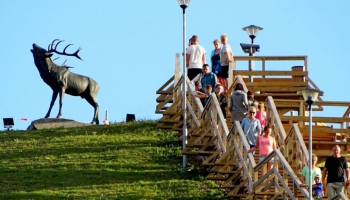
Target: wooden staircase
222 146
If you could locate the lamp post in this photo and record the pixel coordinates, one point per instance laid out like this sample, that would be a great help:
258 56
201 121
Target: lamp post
310 95
184 4
252 31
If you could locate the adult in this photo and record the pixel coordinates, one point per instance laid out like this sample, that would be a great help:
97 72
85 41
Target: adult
226 58
251 127
266 144
208 78
314 170
221 98
215 57
335 166
195 58
238 104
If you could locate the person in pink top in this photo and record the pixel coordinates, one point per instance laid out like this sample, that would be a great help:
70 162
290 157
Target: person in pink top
261 114
266 144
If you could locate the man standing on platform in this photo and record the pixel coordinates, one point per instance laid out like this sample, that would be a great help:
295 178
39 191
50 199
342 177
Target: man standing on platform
195 58
335 165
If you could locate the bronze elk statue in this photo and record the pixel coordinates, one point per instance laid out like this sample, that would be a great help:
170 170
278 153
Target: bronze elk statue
61 80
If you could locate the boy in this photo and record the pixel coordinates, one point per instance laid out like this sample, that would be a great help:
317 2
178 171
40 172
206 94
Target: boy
206 95
317 192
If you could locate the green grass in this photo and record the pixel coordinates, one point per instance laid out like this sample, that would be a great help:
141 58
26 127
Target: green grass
126 161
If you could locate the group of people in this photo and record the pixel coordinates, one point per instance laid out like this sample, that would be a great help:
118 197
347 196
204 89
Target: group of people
334 169
220 59
252 116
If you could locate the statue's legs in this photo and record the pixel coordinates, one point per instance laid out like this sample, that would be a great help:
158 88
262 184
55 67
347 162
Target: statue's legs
53 99
62 91
93 102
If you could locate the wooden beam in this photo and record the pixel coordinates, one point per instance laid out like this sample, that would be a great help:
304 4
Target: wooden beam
269 73
315 119
280 84
269 58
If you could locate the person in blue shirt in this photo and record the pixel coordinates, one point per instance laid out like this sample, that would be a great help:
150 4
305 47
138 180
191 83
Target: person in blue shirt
251 127
317 188
208 78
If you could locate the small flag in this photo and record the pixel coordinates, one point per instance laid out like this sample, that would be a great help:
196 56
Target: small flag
24 119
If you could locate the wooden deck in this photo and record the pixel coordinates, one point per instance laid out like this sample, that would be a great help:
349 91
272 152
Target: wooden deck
222 146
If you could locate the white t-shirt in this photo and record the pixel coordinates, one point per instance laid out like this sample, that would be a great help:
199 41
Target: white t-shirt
196 53
224 58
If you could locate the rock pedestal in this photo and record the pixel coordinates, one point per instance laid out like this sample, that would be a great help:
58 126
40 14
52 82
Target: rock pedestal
48 123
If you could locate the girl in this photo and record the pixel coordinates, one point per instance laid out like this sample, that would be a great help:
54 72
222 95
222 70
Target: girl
261 114
266 144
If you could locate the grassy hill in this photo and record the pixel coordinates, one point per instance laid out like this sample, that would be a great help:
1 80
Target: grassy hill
125 161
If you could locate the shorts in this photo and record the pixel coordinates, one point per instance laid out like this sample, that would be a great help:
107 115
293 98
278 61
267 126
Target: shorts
193 72
261 158
224 72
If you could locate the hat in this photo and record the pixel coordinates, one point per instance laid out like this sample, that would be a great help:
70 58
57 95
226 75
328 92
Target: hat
252 109
317 176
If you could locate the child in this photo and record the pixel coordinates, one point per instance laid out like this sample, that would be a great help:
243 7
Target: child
266 144
317 192
261 114
206 95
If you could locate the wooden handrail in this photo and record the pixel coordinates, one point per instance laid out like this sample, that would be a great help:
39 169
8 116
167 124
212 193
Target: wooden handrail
341 196
263 59
270 73
275 119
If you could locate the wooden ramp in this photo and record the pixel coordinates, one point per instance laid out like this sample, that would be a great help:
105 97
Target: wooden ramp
222 147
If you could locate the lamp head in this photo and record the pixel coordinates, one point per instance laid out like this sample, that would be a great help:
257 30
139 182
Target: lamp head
183 3
310 95
252 31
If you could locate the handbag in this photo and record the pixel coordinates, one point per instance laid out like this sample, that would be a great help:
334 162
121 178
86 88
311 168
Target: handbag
217 69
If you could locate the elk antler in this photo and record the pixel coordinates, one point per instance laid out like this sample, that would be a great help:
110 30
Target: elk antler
51 49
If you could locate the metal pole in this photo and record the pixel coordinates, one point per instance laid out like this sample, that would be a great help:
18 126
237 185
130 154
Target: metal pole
251 62
310 151
184 91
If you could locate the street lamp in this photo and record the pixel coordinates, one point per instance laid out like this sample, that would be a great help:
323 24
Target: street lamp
310 95
252 31
184 4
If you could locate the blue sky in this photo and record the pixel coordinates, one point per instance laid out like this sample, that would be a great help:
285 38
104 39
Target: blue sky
129 48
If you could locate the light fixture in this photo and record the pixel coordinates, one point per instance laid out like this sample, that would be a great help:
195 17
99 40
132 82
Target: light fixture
184 4
310 96
252 31
130 117
8 123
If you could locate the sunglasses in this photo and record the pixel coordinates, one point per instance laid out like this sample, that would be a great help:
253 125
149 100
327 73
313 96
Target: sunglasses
251 112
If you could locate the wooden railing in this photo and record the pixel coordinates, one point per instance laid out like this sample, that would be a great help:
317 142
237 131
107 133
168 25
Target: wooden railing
275 178
296 153
263 60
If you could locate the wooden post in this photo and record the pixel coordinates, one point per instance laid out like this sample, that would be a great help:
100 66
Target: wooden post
177 74
231 67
